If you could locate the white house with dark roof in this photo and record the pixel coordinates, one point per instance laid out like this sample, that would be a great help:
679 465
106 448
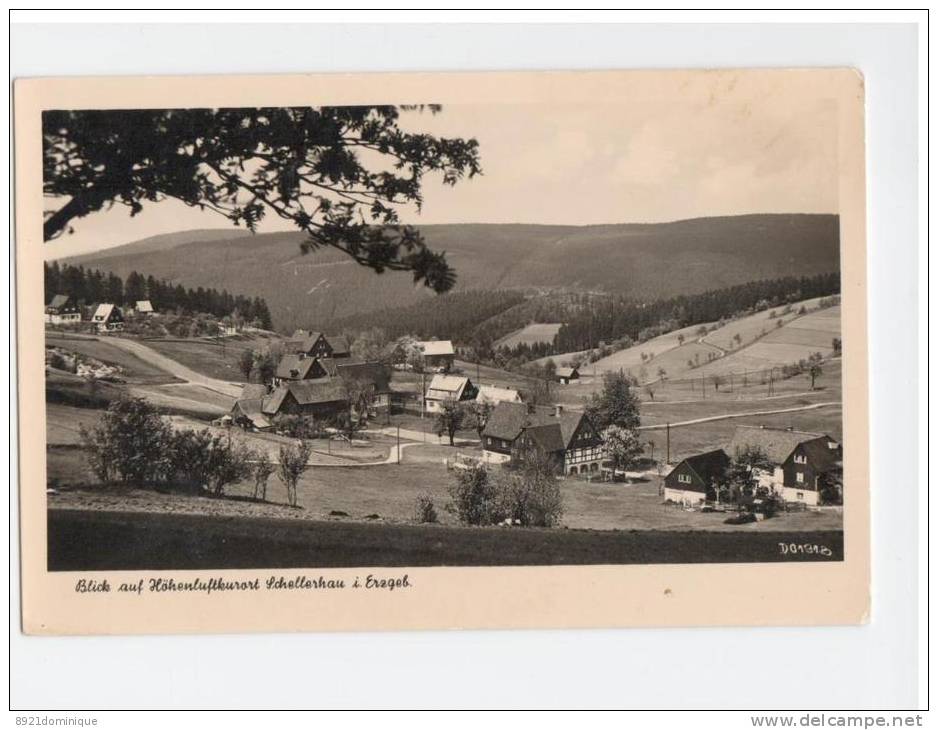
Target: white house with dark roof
108 318
567 375
62 310
800 459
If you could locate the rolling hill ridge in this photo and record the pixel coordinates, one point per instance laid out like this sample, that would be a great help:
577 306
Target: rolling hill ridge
642 261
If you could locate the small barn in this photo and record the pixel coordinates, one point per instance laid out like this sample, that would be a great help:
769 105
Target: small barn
694 479
108 318
248 410
565 376
294 366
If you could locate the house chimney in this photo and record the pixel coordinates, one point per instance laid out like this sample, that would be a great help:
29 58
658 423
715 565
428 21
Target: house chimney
302 356
558 410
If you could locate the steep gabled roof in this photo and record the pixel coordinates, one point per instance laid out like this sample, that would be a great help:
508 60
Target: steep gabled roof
447 386
103 312
567 372
303 340
271 404
292 367
308 392
548 436
252 409
144 305
777 443
59 301
339 345
509 419
708 466
437 347
820 455
305 392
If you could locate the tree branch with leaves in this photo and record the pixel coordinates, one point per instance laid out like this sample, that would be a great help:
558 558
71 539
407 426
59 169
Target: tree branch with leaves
339 174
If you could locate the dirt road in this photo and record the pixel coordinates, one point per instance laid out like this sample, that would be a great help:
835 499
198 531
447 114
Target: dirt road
159 360
747 414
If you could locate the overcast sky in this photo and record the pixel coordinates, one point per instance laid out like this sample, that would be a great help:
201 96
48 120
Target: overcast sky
586 164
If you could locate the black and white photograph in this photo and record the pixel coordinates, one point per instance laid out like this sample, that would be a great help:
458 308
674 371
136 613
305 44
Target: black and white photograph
503 360
430 334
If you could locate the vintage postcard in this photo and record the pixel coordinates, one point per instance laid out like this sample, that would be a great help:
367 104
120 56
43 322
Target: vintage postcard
423 351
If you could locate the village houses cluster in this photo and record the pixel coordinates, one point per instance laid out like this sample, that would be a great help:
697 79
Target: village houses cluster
64 310
316 377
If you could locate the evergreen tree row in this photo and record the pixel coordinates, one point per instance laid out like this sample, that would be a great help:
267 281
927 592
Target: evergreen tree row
90 286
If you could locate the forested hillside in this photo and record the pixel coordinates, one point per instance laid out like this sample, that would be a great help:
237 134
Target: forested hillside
642 262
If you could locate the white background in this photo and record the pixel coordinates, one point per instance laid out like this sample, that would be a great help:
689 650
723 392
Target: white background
876 666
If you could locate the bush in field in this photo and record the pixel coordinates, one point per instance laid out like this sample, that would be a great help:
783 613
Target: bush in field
130 444
475 497
528 492
293 462
200 459
424 509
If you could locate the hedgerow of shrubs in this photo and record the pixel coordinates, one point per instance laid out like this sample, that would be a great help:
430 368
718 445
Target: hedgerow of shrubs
134 445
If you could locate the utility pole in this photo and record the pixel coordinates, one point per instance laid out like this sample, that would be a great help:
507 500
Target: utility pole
398 444
668 442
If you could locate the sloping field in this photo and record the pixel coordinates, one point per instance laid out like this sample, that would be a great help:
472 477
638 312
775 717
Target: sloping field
216 358
674 361
755 326
530 335
797 340
631 357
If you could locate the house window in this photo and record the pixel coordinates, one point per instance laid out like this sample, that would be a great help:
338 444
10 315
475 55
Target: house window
801 459
488 440
683 478
799 477
800 495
